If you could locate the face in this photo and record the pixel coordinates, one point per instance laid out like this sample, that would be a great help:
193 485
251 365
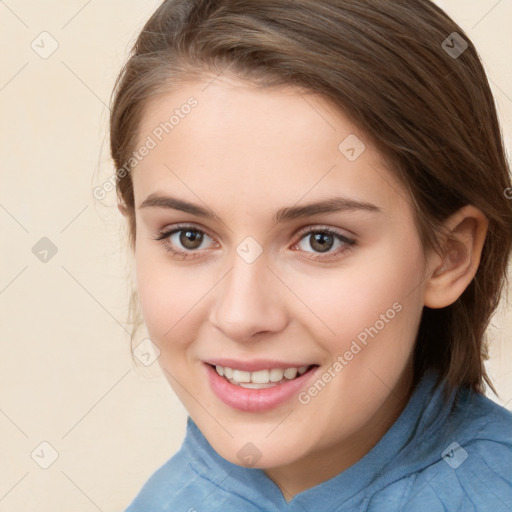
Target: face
238 272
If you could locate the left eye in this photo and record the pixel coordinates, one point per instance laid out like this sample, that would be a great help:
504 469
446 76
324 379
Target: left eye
323 240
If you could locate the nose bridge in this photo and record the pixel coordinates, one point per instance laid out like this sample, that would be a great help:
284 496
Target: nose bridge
247 301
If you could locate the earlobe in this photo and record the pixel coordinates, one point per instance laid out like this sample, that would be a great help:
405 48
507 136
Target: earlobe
454 269
122 208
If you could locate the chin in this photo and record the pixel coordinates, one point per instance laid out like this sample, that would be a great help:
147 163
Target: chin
257 451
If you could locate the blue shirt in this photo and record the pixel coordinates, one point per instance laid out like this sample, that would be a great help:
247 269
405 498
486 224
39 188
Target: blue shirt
434 458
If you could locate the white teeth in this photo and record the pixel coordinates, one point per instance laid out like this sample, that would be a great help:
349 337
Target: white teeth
290 373
276 374
261 378
252 385
241 376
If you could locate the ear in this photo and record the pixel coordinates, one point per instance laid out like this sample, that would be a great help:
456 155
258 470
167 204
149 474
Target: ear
122 208
454 269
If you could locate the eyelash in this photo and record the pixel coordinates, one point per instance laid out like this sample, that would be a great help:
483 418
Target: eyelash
162 237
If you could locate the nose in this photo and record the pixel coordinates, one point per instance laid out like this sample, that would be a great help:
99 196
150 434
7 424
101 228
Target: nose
248 301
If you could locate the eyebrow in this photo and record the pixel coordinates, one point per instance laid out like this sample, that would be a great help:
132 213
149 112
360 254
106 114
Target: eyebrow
330 205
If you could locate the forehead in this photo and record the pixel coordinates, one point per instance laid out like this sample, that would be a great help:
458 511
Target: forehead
245 145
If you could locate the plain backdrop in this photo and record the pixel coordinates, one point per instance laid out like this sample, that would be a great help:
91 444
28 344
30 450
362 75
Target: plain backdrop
81 426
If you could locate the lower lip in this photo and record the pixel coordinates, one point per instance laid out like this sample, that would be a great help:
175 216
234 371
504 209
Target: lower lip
255 400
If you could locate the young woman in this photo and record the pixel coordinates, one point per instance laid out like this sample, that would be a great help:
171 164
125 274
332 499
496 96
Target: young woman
319 208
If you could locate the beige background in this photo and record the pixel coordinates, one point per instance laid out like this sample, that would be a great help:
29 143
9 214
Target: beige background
66 375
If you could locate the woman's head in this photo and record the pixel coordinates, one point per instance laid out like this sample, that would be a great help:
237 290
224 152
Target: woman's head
244 107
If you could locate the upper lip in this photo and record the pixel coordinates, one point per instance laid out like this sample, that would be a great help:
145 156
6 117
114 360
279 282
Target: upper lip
256 364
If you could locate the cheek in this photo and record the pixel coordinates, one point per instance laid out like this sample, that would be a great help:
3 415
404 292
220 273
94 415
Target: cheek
375 295
169 296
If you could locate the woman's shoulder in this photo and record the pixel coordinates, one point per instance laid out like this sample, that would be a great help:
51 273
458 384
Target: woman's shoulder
195 478
174 482
479 467
165 484
470 467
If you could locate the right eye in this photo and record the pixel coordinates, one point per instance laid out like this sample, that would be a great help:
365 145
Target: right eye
188 237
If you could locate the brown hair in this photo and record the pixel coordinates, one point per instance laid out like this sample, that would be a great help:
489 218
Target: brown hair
385 64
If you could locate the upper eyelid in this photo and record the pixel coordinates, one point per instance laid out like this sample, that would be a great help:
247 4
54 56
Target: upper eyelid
182 227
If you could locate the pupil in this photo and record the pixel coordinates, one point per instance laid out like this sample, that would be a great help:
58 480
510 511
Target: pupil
191 239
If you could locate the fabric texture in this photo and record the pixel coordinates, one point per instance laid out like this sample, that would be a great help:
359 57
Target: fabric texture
434 457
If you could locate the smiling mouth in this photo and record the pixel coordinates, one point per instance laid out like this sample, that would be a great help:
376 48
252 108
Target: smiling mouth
261 379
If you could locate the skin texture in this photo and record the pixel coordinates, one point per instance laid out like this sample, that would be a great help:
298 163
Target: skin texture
244 153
